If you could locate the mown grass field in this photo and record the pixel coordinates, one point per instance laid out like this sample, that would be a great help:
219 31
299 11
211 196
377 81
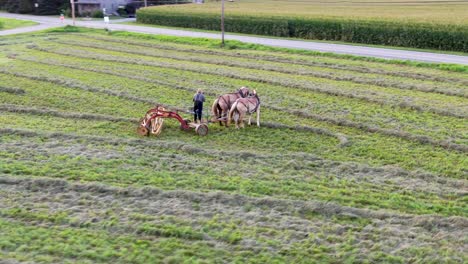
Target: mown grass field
356 160
7 23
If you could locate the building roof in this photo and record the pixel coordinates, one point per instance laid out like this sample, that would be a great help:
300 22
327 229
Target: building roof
88 1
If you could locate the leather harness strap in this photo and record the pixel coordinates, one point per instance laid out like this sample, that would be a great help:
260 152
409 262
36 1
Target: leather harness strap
247 106
241 94
258 103
225 101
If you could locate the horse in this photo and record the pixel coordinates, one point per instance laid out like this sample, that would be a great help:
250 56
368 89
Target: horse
243 106
223 103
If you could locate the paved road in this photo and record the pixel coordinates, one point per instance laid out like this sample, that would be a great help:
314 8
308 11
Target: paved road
24 29
48 22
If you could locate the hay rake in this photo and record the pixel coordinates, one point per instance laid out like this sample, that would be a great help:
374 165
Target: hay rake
153 122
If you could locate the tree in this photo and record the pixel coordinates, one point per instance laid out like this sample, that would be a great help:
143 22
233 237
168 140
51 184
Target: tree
3 4
12 6
46 7
25 6
51 7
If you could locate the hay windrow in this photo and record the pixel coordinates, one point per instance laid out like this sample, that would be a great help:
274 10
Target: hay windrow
335 178
149 194
87 116
340 122
51 112
374 129
12 90
344 141
417 181
266 67
94 207
74 85
307 87
273 58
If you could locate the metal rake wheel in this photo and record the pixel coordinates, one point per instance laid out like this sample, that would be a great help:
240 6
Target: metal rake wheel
157 125
142 131
202 130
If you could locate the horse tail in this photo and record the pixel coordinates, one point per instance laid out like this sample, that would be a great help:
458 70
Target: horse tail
214 108
231 112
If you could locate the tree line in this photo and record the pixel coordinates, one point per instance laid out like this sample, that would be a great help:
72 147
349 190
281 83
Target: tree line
44 7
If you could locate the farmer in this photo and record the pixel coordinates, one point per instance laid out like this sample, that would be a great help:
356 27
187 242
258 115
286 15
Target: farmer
198 100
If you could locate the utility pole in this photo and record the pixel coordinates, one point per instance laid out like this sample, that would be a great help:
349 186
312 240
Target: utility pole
36 5
222 23
72 2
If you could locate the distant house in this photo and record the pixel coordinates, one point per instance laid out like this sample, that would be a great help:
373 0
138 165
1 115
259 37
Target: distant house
89 6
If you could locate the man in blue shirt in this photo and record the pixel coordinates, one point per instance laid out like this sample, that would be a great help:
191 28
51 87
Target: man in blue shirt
198 100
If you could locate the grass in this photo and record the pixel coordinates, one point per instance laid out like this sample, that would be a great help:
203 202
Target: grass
320 41
9 23
389 23
355 161
237 45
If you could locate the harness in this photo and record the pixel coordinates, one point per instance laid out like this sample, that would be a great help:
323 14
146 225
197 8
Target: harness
225 101
247 106
258 105
240 93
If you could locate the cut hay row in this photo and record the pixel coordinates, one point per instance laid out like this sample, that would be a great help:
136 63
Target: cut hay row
52 112
226 72
213 224
11 90
381 176
344 141
374 129
215 84
229 222
324 178
340 122
122 72
361 140
74 85
303 86
273 57
145 145
266 67
325 208
55 186
10 43
55 243
143 163
17 39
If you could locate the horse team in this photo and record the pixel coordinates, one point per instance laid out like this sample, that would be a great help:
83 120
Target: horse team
235 106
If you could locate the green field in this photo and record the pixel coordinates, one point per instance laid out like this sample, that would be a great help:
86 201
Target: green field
7 23
356 161
440 12
439 25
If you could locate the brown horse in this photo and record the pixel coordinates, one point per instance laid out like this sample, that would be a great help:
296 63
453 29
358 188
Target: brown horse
243 106
223 103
